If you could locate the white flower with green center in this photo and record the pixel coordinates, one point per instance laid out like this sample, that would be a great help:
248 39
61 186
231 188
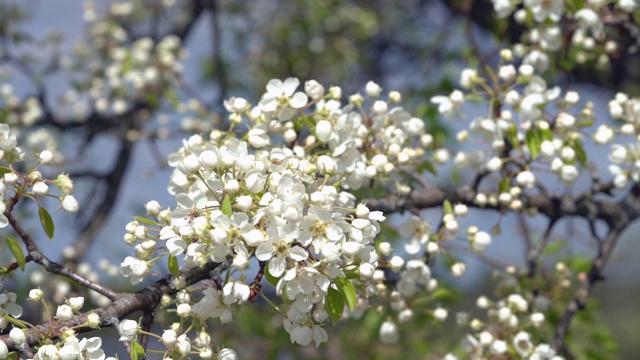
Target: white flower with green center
279 248
283 96
318 227
8 305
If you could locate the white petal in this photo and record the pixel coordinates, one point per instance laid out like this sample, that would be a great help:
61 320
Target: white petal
176 246
330 252
413 247
301 335
184 201
253 237
299 100
334 233
265 251
298 254
290 85
275 86
277 265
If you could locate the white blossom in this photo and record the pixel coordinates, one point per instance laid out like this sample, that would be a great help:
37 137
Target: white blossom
128 330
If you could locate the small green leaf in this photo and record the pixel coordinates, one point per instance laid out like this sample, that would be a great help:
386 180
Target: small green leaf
348 292
172 97
136 350
146 221
352 274
4 170
581 155
226 206
335 305
46 221
448 209
546 134
174 267
443 294
504 185
533 142
427 166
16 250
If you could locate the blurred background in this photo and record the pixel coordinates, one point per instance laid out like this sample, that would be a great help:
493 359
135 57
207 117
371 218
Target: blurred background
231 48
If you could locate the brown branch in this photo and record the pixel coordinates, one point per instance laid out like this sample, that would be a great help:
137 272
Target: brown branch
584 291
553 206
616 214
123 305
147 321
49 265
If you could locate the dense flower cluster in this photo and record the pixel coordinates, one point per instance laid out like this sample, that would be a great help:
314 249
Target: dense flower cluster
287 206
280 193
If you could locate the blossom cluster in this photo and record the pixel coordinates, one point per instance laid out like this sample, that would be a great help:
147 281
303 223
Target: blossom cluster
512 323
117 71
33 183
547 22
280 193
520 127
70 346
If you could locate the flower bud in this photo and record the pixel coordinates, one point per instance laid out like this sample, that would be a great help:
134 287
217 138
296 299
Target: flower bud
40 188
440 314
76 303
389 333
314 89
70 204
35 294
169 337
64 313
46 157
93 320
183 310
153 208
372 89
128 330
17 335
4 350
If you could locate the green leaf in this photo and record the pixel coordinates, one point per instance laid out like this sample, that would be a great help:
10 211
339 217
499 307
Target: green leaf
581 155
174 267
16 322
427 166
226 206
352 274
554 247
533 142
348 292
172 97
504 185
144 220
136 350
16 250
46 221
4 170
448 209
335 305
546 134
444 295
